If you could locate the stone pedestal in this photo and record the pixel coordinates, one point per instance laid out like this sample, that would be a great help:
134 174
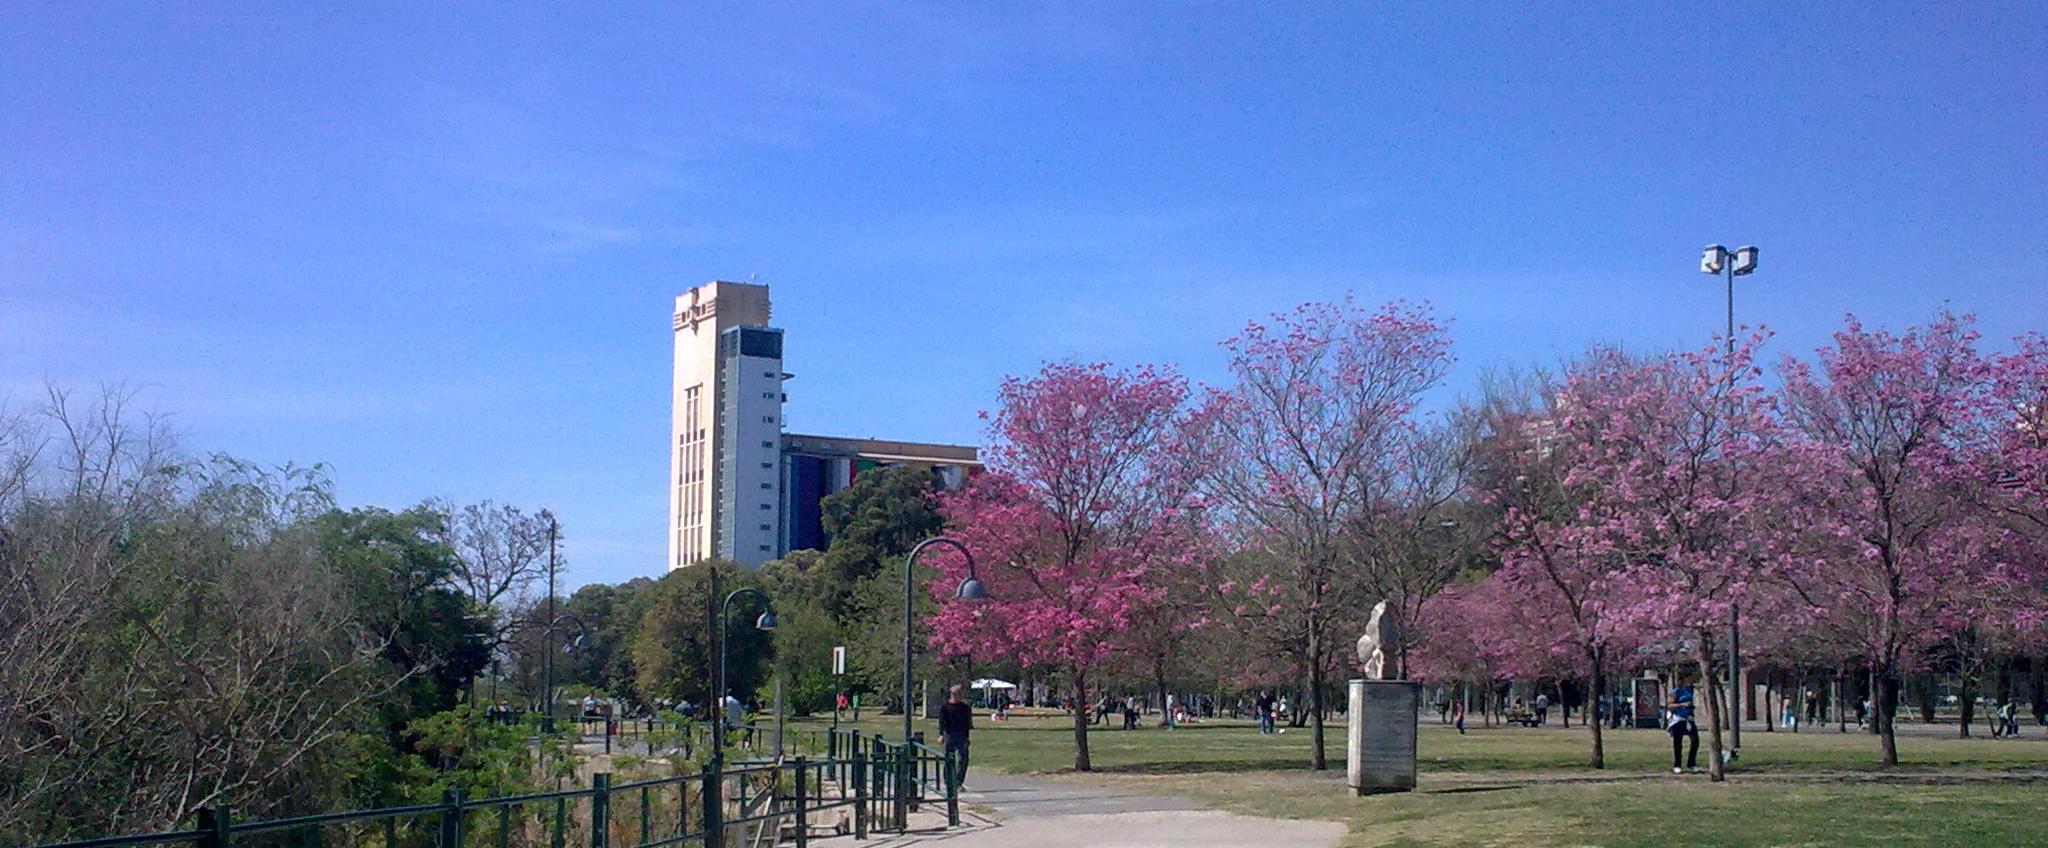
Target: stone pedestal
1381 746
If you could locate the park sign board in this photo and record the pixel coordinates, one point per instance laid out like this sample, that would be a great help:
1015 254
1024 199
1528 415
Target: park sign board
1647 703
839 660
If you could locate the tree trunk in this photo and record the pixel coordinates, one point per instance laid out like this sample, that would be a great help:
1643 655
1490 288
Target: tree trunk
1966 703
1159 684
1770 726
1749 698
1842 701
2037 675
1315 695
1926 699
1884 689
1079 710
1705 657
1599 759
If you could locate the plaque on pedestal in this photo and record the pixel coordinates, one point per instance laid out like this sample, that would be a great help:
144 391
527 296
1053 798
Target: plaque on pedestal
1381 746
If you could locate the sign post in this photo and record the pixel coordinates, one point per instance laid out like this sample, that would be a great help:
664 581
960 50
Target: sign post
838 670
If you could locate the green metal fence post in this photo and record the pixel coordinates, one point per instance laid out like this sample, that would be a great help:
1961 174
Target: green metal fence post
216 826
803 821
902 765
644 834
559 836
600 809
952 792
713 814
451 817
860 794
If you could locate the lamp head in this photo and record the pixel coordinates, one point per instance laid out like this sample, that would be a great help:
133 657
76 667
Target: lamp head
1713 259
1745 260
971 590
766 621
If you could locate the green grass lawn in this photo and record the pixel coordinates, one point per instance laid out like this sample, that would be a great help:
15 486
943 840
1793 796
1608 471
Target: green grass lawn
1046 744
1521 786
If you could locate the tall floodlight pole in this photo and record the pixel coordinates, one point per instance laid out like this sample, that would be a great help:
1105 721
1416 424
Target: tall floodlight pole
970 590
1740 263
547 719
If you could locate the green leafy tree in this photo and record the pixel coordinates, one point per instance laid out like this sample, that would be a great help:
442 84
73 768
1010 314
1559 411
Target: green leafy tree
871 523
612 613
673 656
396 567
807 632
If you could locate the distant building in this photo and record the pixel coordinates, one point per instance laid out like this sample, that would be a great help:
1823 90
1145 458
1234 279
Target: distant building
740 489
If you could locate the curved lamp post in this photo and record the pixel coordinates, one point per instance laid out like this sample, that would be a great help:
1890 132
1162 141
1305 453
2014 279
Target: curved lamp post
766 622
548 663
970 590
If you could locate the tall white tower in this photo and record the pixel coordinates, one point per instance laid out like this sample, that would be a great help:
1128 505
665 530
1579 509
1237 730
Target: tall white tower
725 427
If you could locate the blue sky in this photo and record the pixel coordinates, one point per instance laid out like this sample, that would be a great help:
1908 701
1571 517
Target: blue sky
436 248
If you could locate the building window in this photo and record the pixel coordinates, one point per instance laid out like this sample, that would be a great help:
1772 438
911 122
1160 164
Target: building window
767 465
767 485
767 526
767 419
769 445
764 547
767 506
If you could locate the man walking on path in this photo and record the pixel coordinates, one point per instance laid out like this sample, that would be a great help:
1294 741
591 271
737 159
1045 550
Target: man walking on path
956 720
1265 708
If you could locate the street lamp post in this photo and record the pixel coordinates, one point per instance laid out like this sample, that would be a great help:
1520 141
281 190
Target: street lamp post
970 590
1739 263
547 665
548 662
765 622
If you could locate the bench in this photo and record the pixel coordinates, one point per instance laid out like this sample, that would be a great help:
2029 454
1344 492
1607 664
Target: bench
1525 718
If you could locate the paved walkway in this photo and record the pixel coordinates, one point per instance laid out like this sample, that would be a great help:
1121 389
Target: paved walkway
1011 810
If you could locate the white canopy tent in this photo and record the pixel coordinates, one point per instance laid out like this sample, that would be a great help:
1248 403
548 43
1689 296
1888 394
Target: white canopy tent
992 683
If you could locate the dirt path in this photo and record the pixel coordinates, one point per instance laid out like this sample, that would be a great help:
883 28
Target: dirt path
1039 812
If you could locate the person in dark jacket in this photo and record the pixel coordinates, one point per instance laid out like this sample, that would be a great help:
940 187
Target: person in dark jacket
956 721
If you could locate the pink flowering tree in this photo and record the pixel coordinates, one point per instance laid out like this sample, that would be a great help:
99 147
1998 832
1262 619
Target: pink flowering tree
1077 525
1896 430
1308 442
1670 457
2018 478
1557 572
2017 492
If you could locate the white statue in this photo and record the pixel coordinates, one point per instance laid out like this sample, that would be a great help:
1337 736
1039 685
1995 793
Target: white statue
1370 651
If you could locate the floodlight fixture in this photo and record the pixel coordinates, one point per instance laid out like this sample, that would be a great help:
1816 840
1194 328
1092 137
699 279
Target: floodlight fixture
1745 260
1713 259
